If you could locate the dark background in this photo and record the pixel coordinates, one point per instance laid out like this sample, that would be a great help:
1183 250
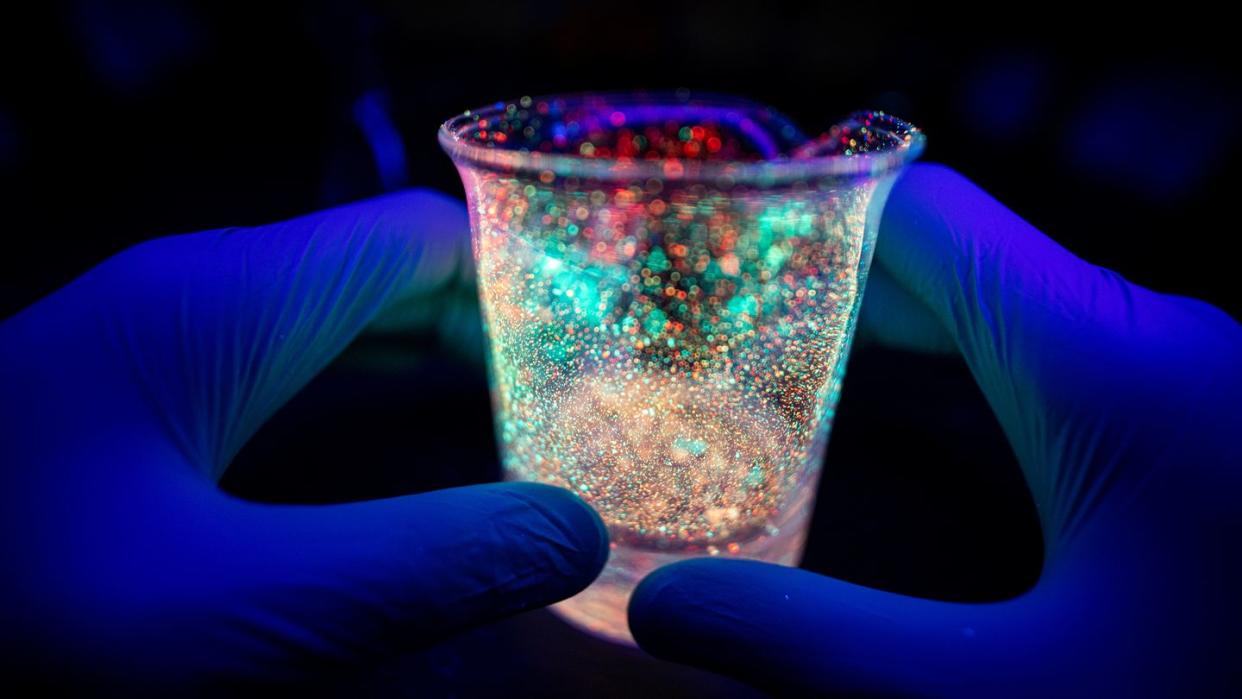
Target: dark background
1113 132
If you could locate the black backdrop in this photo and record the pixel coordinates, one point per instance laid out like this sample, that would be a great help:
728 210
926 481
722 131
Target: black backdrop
1113 132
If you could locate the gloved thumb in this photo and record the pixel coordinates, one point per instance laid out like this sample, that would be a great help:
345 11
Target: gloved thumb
287 592
800 634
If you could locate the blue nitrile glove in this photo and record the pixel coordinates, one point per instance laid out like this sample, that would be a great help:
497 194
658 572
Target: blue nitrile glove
123 397
1124 407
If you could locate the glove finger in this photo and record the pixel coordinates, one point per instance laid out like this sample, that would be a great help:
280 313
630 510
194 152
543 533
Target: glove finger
221 328
893 317
301 586
1055 343
447 275
793 632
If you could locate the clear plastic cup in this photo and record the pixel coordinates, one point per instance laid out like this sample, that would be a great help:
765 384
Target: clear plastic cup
669 284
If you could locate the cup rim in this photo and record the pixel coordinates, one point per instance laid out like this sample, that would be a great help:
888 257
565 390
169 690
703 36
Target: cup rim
614 169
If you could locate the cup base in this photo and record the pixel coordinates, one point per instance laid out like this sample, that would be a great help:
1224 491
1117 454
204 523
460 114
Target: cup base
601 608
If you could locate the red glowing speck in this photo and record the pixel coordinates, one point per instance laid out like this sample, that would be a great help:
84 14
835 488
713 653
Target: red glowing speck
697 133
500 137
713 144
617 119
625 145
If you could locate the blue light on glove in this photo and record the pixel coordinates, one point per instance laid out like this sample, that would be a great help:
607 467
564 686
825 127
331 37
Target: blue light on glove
123 398
1123 406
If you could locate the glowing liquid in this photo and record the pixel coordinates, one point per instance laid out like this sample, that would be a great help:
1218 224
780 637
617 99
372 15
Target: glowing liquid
677 468
675 361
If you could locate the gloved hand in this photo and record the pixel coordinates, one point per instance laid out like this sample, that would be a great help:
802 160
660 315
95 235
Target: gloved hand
123 397
1123 406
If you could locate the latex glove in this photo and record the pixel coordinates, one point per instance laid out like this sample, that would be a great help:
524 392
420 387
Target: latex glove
1123 406
126 394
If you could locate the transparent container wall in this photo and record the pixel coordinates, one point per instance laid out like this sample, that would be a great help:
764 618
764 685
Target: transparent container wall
669 347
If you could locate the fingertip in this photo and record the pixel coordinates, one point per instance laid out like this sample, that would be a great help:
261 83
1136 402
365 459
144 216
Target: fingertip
925 178
913 205
422 200
566 525
688 605
931 171
444 211
892 317
442 226
435 195
431 231
648 611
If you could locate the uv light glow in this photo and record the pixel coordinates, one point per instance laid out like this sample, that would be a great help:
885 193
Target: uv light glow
670 286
